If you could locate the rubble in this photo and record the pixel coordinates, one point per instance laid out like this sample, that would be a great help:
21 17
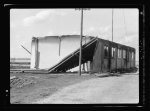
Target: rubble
18 82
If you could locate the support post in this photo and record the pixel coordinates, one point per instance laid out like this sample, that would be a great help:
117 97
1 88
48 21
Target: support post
80 57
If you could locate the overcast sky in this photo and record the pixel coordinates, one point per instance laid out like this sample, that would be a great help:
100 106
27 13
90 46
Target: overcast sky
26 23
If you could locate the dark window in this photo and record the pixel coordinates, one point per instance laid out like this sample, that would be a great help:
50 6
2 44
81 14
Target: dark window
113 52
106 51
124 54
132 56
128 55
119 53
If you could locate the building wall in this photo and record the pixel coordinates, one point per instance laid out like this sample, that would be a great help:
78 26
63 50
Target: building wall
33 54
101 63
48 49
98 57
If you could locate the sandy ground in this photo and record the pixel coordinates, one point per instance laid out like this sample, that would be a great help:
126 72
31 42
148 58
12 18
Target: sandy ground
113 89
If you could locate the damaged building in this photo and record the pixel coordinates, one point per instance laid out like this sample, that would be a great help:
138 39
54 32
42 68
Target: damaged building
61 54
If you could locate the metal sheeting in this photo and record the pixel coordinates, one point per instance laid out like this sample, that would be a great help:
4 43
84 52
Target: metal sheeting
49 50
72 60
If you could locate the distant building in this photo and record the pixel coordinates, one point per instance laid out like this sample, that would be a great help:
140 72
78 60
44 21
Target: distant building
20 63
20 60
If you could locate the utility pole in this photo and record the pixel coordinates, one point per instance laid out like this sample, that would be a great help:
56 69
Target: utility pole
111 49
80 57
81 34
112 23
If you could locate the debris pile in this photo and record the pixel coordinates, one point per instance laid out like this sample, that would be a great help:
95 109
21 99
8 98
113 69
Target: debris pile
19 82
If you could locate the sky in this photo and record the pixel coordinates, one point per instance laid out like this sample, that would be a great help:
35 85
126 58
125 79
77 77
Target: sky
28 23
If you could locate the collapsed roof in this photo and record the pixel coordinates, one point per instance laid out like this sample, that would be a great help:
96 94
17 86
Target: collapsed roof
72 60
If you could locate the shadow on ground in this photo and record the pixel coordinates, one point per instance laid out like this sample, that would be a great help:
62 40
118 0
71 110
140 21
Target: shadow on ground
109 75
115 74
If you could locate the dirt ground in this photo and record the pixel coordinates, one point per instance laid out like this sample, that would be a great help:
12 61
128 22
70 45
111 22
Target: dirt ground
106 89
27 87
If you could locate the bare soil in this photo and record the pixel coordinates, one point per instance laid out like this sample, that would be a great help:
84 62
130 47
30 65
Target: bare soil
103 89
26 87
